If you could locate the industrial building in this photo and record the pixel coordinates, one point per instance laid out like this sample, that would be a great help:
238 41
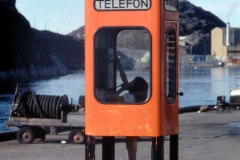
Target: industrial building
225 44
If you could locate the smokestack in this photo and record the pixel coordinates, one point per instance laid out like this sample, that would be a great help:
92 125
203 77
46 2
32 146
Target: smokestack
228 34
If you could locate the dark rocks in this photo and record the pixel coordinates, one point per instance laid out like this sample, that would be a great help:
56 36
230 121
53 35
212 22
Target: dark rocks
5 136
198 64
204 108
188 109
29 53
192 19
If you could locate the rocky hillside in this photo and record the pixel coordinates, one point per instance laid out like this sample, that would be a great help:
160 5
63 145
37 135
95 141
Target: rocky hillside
193 18
194 22
29 53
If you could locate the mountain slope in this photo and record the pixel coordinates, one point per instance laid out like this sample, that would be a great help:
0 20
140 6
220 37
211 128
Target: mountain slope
192 19
29 53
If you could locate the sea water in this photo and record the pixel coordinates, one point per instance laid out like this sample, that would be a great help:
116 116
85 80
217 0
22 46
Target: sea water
200 86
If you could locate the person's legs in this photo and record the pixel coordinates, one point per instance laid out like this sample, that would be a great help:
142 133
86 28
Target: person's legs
131 145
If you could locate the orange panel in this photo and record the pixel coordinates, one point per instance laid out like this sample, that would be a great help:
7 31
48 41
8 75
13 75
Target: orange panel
154 118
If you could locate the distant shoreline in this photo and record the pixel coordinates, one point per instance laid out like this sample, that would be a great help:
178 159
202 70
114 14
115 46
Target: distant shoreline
192 108
203 64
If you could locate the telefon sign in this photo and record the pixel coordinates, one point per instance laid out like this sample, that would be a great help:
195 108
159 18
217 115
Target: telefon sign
122 4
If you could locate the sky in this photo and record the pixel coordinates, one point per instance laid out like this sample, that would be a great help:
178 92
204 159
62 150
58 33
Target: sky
65 16
60 16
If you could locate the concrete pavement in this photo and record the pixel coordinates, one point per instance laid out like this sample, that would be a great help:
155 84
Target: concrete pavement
202 136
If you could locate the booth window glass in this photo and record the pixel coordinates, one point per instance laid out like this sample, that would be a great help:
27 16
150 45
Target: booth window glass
132 46
171 65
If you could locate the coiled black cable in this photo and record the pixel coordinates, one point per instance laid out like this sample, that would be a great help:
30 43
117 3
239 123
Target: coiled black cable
30 105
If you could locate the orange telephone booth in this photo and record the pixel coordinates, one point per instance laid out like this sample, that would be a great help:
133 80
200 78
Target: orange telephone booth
143 36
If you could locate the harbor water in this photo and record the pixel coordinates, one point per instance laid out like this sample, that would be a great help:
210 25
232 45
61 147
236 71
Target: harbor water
200 86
